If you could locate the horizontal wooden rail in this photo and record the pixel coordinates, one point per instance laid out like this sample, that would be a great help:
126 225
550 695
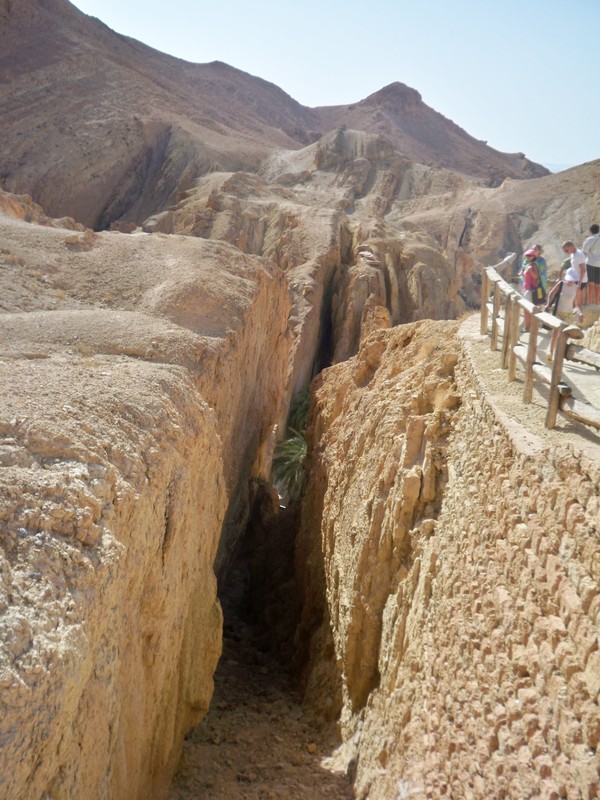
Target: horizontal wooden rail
577 353
501 303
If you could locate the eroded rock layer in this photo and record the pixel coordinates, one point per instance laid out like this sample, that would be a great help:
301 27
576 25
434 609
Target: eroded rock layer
450 566
141 382
111 514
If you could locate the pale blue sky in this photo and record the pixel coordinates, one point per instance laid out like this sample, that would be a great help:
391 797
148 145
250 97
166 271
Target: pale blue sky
523 75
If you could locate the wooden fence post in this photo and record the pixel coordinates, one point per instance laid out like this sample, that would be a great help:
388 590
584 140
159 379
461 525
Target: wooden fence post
485 296
513 337
509 310
557 365
495 315
531 354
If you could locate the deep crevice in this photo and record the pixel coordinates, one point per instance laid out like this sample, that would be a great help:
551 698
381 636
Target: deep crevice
257 741
264 657
134 184
259 590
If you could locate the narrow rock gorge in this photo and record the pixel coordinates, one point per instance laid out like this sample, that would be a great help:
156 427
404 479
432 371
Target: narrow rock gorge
438 604
186 252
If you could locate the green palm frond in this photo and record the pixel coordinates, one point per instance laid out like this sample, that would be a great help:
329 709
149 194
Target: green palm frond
299 407
288 465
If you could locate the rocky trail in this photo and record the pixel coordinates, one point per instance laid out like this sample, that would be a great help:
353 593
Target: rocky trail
256 742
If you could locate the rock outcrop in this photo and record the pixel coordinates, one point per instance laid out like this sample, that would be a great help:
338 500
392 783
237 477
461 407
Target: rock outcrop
483 224
320 213
450 565
142 378
113 502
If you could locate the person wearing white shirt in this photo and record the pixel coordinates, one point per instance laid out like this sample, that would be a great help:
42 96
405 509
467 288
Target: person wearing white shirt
580 269
591 250
566 289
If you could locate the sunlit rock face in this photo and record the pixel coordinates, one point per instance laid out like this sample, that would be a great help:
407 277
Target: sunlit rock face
141 383
449 566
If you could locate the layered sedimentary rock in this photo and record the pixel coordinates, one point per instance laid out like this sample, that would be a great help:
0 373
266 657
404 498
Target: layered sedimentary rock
113 501
450 565
320 214
481 225
141 382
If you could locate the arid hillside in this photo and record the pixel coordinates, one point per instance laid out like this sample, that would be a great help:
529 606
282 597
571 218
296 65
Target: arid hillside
100 127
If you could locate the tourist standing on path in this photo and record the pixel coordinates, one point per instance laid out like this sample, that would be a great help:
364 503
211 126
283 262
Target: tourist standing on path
542 265
528 257
563 295
591 250
532 286
578 263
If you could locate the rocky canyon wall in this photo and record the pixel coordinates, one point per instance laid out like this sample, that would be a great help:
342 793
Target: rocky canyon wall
450 562
320 214
112 510
142 378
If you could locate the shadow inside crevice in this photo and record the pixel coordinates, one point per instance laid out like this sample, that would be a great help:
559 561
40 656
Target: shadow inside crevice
258 741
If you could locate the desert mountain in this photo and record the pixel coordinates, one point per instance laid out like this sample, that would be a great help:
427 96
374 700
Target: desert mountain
100 127
399 113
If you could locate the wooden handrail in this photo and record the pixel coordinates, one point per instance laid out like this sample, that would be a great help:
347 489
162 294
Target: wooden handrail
506 309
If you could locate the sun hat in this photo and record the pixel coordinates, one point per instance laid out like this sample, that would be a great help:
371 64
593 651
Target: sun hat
530 252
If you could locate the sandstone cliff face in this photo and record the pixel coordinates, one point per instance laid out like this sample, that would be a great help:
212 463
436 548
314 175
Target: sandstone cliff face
320 213
113 500
141 381
450 564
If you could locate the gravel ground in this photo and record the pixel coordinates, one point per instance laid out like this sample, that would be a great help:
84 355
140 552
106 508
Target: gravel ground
256 742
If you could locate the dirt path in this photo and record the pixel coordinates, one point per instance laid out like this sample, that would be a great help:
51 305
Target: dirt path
256 742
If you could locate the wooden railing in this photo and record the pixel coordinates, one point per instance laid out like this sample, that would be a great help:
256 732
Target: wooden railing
505 307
